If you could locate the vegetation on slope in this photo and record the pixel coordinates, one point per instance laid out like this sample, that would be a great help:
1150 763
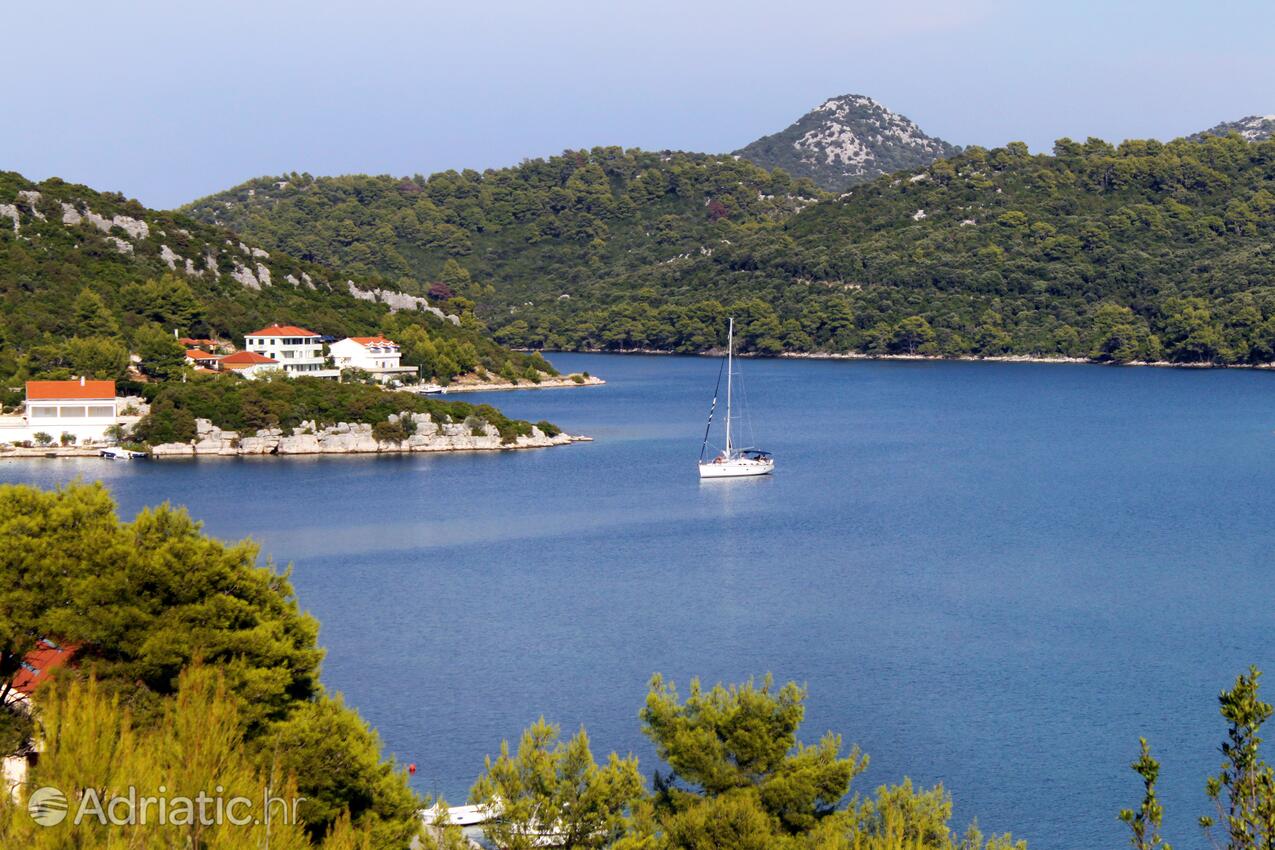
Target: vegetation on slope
1143 251
86 278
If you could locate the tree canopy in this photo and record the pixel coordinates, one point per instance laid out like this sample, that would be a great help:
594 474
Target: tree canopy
144 601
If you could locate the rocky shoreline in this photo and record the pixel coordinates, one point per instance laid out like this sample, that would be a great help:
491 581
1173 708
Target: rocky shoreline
556 382
356 438
344 438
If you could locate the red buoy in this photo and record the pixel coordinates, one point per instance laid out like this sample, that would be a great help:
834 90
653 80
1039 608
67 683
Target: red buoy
411 768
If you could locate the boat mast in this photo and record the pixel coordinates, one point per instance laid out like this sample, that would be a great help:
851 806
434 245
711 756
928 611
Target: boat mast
730 373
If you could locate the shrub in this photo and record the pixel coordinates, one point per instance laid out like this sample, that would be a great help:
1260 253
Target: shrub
67 439
390 432
166 423
41 438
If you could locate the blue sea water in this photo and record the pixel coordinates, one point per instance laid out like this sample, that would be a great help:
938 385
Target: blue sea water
995 576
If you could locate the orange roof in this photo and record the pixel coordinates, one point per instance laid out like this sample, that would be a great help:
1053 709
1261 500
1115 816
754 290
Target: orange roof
39 663
282 330
243 359
58 390
374 340
199 354
191 342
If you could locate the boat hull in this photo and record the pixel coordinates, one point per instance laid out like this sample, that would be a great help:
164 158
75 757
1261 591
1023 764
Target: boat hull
736 469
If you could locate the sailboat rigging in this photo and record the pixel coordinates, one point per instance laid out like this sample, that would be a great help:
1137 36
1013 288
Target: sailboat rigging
731 462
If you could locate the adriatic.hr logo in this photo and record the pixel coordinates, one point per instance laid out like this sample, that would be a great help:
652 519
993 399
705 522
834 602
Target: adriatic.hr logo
49 806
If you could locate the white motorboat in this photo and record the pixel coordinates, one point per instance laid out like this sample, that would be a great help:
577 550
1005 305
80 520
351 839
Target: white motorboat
117 453
731 462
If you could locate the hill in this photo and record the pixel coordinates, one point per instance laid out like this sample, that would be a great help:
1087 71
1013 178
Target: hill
845 141
77 263
580 228
1254 128
1143 251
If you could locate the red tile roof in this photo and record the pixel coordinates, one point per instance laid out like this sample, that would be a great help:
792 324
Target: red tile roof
198 354
191 342
79 390
246 358
374 340
39 663
282 330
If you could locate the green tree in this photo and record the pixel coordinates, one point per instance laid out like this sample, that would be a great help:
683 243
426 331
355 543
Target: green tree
162 356
341 772
91 317
98 357
1244 790
913 335
146 600
744 739
1145 822
93 749
551 787
165 423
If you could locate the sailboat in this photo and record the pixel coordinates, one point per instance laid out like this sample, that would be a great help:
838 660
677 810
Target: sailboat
731 462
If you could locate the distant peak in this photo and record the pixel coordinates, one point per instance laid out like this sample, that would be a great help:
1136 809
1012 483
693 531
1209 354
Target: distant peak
845 140
1254 128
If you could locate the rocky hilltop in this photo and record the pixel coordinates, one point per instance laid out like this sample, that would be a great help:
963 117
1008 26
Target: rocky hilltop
847 140
1254 128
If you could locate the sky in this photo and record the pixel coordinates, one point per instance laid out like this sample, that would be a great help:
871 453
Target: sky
170 101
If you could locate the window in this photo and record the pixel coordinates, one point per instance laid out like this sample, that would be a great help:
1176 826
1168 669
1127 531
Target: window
43 412
101 410
74 412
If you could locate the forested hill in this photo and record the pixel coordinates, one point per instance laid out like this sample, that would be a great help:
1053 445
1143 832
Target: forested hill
592 226
1138 252
77 264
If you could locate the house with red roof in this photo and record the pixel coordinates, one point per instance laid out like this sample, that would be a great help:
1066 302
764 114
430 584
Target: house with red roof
250 364
376 355
210 345
297 351
76 411
35 669
203 360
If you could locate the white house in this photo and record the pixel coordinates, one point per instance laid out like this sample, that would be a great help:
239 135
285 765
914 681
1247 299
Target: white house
82 408
297 350
375 354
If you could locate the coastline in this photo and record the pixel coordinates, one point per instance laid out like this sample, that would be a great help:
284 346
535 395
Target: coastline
343 438
962 358
553 383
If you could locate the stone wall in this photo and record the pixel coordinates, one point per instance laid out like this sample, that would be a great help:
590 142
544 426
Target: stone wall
351 438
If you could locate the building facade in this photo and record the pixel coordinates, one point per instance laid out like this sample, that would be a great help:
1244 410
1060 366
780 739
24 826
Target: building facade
376 355
80 408
296 350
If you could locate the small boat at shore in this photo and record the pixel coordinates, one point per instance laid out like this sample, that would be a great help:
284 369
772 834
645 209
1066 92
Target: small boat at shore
429 389
731 462
117 453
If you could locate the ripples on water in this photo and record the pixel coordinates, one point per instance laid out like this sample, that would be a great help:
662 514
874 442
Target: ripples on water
992 575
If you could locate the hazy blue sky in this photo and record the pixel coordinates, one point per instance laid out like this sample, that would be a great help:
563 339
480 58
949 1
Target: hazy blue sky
168 101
